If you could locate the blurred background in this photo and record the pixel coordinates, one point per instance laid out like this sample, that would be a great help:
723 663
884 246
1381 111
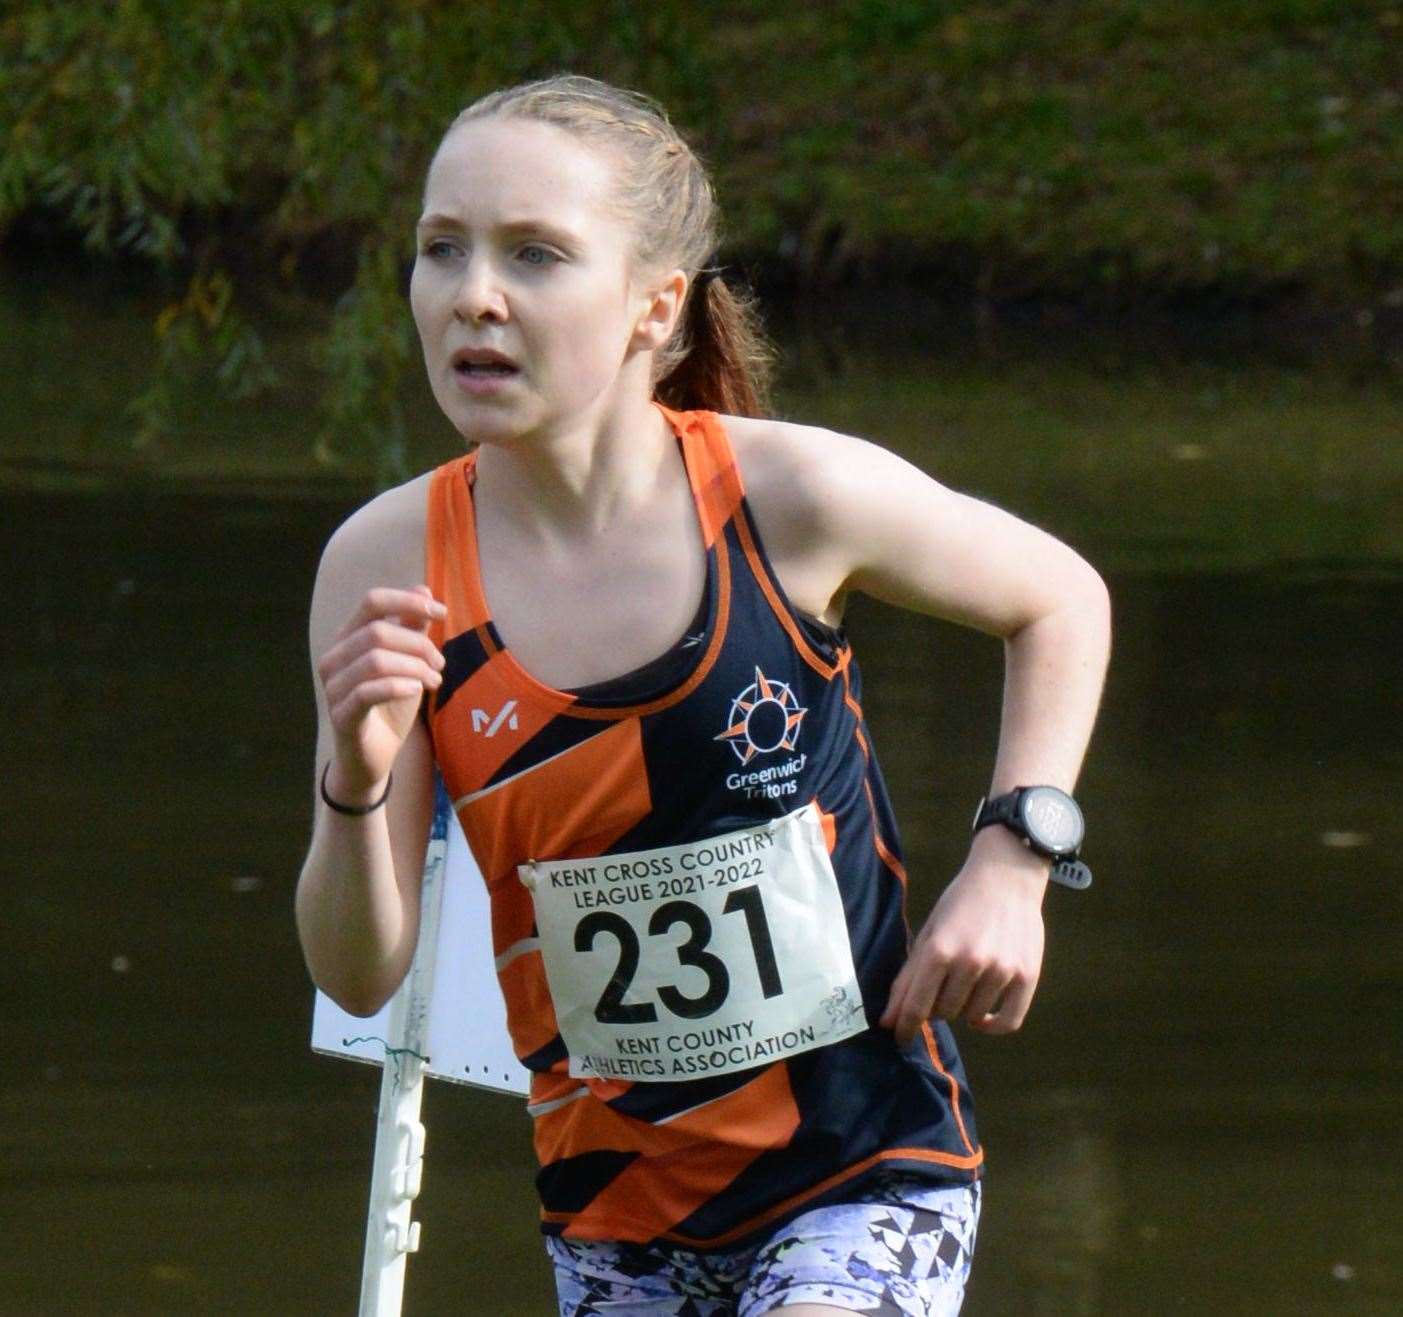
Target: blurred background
1134 271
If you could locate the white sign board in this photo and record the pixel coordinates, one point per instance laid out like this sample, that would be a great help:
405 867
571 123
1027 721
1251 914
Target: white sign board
467 1023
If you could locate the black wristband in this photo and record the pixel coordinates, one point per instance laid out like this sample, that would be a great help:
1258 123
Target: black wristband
355 811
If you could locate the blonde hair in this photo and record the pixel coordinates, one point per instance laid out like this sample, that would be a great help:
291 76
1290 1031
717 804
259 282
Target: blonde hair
718 358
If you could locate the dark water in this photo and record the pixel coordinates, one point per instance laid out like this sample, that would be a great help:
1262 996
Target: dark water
1201 1115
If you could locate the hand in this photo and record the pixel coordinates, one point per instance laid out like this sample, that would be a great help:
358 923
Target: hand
979 954
374 677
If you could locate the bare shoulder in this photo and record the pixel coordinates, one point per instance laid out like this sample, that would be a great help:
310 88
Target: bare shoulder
794 469
838 514
380 544
383 539
815 481
824 482
800 485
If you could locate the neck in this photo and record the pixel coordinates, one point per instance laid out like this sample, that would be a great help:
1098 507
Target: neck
584 478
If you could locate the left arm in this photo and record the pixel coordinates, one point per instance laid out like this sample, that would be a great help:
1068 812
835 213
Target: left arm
979 954
839 514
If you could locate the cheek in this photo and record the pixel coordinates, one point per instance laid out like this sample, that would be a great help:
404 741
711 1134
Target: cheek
419 299
599 334
423 300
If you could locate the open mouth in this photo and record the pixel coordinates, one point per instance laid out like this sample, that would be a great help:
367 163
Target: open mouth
482 364
484 369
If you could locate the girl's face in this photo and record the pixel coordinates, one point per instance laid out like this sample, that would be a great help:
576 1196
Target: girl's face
520 255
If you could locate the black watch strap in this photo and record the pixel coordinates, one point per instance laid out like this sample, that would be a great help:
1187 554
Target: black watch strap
1069 871
1001 809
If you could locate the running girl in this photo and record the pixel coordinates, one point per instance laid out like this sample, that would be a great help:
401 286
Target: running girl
615 629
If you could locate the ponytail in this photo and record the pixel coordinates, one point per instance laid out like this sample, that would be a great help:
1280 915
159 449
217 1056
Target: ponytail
725 359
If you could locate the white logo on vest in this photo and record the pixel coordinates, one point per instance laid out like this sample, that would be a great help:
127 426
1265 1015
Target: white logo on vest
765 716
483 719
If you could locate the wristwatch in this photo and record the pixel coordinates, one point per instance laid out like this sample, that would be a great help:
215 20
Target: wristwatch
1049 821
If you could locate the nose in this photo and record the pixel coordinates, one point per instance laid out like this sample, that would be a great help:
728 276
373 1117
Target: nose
479 293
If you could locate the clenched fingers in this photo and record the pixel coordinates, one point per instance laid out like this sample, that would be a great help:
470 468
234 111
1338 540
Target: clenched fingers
991 996
389 621
914 992
377 676
382 658
380 637
414 608
1008 1014
928 985
962 979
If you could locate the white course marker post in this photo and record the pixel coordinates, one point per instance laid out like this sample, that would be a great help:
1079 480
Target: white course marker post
390 1233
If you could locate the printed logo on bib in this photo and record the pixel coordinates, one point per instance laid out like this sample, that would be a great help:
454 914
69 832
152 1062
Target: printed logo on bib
702 959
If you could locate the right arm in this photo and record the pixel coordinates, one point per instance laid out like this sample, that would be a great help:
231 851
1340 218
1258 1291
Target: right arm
358 894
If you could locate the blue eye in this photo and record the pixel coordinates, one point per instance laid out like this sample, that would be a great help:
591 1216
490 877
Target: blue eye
538 256
438 249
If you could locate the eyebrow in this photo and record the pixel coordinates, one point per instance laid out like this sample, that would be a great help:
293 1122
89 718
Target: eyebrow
513 228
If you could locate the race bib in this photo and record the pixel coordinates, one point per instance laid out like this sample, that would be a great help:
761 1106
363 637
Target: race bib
703 959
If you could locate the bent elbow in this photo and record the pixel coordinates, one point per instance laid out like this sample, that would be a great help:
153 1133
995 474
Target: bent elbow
1081 591
362 1007
1090 616
1075 597
355 994
1075 620
1098 603
1094 594
359 1000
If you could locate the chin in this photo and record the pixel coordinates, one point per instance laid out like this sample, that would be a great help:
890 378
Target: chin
489 425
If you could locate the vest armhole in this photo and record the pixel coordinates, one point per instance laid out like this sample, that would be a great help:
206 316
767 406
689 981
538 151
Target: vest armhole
819 645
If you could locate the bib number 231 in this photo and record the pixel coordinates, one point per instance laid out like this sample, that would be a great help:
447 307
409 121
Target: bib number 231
700 959
613 1009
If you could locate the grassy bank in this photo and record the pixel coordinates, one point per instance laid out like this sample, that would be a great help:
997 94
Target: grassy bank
1029 146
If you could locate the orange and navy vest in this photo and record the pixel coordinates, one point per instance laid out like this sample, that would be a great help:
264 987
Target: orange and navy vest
658 759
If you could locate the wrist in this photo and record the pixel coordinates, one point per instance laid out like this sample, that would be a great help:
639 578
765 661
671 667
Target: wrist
345 793
1001 847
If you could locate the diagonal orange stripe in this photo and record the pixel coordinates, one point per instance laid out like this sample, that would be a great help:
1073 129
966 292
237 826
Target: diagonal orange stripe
576 804
570 806
684 1163
931 1155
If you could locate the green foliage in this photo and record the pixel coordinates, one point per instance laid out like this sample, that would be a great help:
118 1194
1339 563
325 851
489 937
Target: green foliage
1218 146
237 139
250 146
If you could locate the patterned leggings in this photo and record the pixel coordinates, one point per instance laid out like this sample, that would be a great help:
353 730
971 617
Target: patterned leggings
899 1249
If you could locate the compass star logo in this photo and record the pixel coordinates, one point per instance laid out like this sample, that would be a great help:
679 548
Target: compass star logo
765 716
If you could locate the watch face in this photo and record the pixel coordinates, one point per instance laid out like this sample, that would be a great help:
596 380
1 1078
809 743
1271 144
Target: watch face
1052 819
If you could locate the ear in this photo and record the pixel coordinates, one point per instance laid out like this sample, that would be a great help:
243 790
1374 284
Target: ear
662 305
